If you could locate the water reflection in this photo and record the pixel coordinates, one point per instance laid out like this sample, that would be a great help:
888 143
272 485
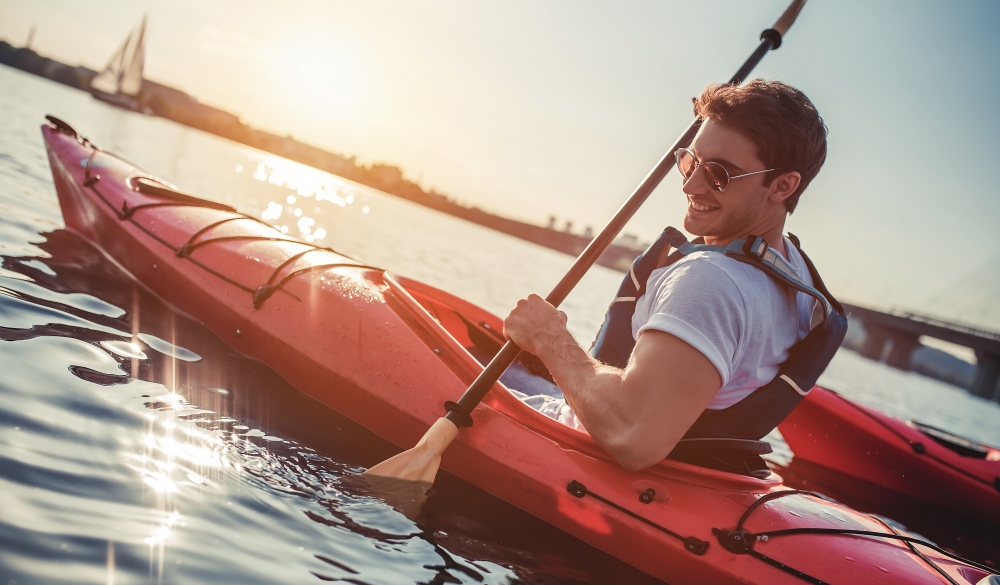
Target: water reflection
124 349
197 465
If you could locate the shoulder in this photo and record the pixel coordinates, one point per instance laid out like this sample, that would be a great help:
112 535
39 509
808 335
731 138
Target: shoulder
706 272
696 299
703 278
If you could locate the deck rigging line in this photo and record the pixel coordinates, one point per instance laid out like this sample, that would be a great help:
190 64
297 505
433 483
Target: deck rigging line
259 293
741 541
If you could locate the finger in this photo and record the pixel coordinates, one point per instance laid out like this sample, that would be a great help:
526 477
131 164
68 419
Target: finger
505 328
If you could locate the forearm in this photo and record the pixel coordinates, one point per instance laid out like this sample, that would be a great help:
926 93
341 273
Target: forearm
593 390
637 414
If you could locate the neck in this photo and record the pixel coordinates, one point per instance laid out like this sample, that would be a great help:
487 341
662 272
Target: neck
772 235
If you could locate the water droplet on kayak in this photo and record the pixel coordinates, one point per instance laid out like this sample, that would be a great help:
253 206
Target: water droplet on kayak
883 569
849 559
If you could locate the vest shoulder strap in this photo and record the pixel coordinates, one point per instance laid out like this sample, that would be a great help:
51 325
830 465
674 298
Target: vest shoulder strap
754 251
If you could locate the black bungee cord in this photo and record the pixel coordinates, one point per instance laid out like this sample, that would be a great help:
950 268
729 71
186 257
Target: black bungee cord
741 541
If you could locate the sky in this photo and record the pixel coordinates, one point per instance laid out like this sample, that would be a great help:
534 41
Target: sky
532 109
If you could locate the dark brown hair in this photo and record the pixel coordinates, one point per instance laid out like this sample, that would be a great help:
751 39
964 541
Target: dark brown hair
781 122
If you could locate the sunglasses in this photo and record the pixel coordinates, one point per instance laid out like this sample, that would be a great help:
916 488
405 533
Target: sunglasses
717 174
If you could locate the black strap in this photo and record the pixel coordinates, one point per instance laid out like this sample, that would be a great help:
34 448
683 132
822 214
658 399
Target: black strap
156 188
729 444
186 250
741 541
265 291
816 278
691 543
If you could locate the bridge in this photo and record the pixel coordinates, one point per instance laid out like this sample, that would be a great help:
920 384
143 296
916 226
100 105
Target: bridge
898 333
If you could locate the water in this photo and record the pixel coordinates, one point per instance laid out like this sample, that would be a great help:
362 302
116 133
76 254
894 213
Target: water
179 461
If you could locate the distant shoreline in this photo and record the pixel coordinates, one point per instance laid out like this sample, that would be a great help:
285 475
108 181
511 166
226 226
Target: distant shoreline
182 108
172 104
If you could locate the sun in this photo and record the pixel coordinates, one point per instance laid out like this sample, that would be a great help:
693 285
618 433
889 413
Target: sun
318 73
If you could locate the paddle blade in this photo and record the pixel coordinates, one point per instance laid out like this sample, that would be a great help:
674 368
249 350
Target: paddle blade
406 497
405 478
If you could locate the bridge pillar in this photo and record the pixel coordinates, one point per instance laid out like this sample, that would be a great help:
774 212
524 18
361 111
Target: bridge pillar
987 375
875 339
902 350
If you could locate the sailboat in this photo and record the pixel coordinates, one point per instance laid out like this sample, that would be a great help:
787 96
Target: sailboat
120 83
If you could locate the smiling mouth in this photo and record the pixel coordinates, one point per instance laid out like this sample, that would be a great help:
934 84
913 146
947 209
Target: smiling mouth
701 206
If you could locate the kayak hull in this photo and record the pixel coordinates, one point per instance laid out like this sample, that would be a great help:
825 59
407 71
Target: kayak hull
858 447
387 352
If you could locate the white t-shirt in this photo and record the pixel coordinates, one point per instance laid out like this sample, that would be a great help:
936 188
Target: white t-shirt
740 318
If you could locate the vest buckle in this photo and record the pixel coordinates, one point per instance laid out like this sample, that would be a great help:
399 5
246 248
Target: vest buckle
755 247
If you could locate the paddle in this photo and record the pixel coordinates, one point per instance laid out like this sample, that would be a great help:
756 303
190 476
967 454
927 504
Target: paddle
409 474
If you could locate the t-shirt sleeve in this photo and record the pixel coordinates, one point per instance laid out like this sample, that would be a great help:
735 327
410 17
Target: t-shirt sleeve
699 303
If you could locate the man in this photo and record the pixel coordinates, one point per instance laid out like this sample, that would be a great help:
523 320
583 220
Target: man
709 330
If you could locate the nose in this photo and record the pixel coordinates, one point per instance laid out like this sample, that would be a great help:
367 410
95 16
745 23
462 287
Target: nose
697 183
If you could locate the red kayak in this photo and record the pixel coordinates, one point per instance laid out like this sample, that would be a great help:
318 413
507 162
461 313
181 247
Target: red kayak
878 459
387 352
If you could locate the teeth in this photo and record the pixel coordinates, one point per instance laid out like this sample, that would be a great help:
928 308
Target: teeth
699 207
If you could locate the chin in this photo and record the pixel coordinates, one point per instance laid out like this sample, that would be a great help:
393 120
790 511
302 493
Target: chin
696 228
722 227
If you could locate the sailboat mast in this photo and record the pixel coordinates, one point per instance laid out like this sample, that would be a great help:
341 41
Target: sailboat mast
121 81
131 75
107 80
120 67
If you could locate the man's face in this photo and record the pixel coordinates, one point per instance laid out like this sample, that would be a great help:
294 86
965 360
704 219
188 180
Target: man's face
742 206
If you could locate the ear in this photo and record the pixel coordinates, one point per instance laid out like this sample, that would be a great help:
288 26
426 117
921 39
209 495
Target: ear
783 186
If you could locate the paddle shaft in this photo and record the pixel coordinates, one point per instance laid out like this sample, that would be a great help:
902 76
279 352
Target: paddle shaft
460 412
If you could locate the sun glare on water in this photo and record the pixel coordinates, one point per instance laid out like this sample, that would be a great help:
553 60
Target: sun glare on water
291 212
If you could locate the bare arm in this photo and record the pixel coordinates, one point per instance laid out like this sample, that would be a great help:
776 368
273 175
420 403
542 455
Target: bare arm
637 414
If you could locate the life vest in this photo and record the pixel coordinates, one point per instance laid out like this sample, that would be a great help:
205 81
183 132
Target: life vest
759 413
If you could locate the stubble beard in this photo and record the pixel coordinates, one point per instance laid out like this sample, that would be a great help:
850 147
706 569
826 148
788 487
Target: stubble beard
732 223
